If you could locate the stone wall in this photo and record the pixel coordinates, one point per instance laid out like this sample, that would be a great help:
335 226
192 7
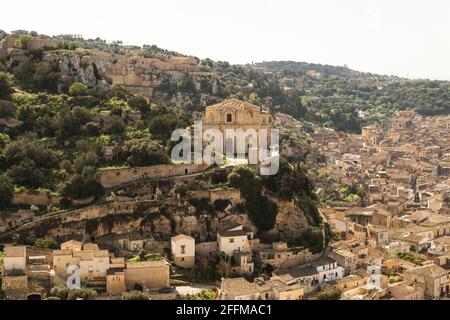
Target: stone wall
184 262
206 249
147 274
115 284
36 43
101 210
15 287
231 194
234 195
114 177
38 198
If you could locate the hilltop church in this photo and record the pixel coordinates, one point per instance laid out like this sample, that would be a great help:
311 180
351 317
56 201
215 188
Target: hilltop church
235 114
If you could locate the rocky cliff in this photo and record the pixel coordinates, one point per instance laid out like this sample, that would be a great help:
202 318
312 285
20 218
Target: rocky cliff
159 217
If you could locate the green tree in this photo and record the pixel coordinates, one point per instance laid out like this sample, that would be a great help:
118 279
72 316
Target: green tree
83 293
78 89
84 185
24 71
7 109
246 180
26 173
143 152
46 77
330 293
261 210
5 87
139 103
181 189
119 91
62 292
6 190
4 140
46 243
163 125
23 41
135 295
114 125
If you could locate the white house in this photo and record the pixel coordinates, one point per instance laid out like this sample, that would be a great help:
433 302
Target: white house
232 237
183 250
328 269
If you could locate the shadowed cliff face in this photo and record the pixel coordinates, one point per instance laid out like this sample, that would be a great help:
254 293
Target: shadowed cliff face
161 218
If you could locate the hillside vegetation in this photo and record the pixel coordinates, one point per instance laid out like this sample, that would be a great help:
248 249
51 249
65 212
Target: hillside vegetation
346 99
57 131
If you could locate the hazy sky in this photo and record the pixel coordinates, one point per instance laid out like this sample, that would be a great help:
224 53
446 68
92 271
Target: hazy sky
402 37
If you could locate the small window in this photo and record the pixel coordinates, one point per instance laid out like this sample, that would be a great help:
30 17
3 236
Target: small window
229 117
232 240
183 249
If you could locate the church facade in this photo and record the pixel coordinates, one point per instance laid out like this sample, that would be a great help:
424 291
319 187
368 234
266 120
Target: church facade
237 115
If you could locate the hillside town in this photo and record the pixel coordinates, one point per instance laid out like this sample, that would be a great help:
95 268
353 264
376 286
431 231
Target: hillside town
390 241
95 204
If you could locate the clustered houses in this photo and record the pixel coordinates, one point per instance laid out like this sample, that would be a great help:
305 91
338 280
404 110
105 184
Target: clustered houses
392 241
238 249
241 289
402 221
298 272
76 264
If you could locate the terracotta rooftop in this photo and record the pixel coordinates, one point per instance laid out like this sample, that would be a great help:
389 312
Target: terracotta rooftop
240 286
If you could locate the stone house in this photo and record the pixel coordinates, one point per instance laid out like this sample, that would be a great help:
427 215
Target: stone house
346 259
279 255
328 269
239 289
242 263
232 237
115 282
282 291
442 244
15 258
93 262
406 290
72 245
350 282
439 223
133 242
148 274
183 250
305 275
206 249
381 218
435 279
